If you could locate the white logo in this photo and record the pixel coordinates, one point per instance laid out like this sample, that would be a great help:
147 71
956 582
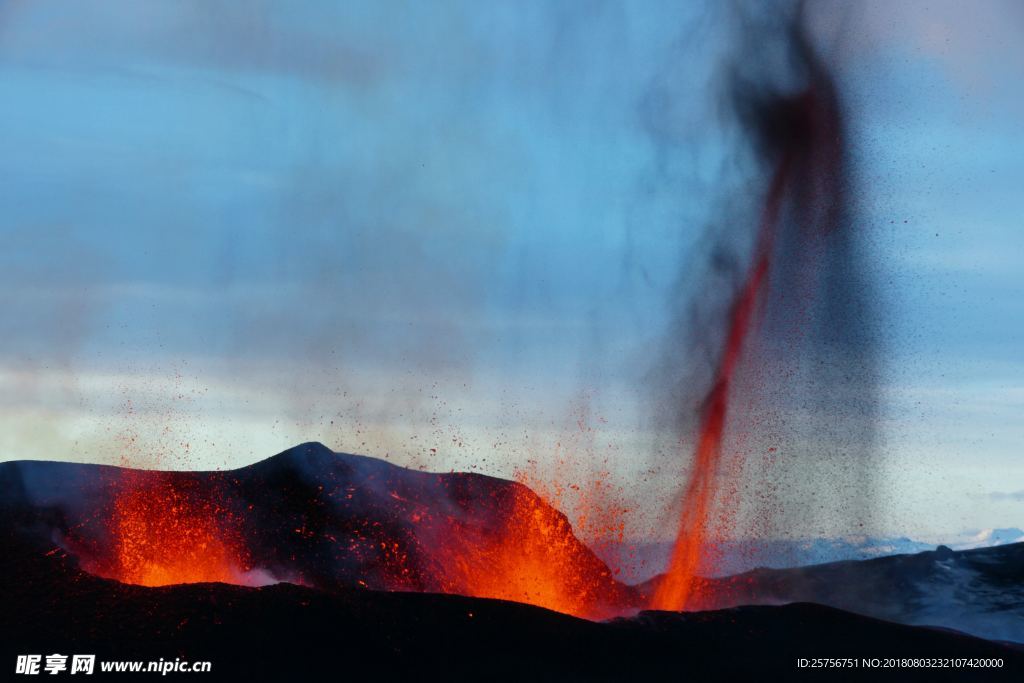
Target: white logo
55 664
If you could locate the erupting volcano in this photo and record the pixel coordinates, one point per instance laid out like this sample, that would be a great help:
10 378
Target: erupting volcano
322 519
315 518
619 340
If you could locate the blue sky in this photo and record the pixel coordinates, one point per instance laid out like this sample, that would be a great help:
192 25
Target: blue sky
446 232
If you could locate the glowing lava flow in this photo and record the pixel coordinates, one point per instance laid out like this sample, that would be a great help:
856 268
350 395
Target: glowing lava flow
166 534
675 589
535 558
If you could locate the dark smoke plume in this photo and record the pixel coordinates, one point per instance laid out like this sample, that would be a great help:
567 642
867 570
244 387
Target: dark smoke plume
774 352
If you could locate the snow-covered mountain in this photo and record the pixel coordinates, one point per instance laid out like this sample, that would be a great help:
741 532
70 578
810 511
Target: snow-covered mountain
986 538
978 591
639 562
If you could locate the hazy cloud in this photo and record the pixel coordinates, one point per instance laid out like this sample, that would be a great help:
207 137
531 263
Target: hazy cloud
1000 496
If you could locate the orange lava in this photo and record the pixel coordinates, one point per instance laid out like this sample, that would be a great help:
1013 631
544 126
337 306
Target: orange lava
168 534
535 559
596 504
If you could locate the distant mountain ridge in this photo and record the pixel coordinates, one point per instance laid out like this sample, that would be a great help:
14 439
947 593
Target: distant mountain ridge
642 561
978 591
987 538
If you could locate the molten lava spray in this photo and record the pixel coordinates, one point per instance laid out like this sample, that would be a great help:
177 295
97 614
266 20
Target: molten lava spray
169 530
536 559
674 590
787 292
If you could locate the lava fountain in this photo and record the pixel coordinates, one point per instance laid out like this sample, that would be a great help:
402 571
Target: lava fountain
674 589
168 530
799 137
533 557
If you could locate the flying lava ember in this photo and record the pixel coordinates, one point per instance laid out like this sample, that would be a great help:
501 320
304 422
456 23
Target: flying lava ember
164 537
165 530
536 559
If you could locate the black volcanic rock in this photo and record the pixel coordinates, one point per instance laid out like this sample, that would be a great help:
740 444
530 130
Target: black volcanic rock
317 518
287 632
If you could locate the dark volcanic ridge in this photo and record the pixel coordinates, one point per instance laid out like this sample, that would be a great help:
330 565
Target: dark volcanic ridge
364 550
289 632
314 517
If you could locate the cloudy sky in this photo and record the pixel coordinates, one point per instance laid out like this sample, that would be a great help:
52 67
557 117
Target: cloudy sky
446 233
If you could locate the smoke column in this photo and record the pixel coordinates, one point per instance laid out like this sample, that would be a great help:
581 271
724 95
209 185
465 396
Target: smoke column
795 364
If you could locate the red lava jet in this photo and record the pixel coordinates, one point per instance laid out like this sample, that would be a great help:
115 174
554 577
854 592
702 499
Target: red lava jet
674 590
801 138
